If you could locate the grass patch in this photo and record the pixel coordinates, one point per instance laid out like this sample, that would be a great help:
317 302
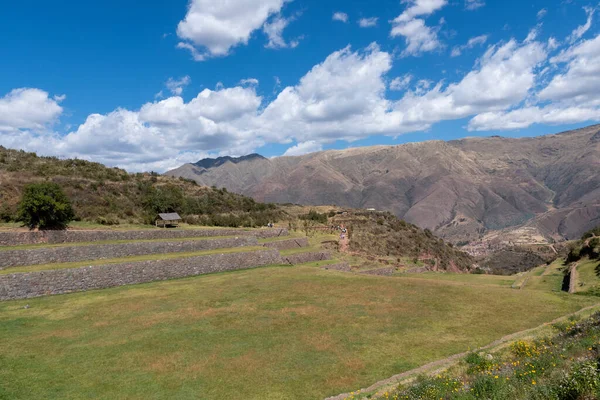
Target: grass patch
269 333
550 280
589 282
474 279
148 257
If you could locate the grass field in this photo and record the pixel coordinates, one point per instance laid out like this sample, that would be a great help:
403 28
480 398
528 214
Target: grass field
587 277
474 279
270 333
551 279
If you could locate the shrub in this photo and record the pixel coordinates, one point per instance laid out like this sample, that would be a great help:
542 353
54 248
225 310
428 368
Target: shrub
44 205
581 382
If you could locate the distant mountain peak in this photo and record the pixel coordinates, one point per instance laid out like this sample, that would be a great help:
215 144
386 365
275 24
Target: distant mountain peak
208 163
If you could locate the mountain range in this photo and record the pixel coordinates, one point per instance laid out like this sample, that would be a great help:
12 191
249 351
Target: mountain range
461 189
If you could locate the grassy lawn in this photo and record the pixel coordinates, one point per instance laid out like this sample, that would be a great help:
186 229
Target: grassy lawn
147 257
474 279
270 333
587 276
550 280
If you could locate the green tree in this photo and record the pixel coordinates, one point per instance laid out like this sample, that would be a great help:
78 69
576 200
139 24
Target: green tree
45 206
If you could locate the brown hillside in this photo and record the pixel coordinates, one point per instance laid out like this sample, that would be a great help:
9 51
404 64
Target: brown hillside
459 189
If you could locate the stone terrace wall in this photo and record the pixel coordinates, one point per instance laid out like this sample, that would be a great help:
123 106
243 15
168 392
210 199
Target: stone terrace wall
288 244
35 284
55 237
303 258
344 267
49 255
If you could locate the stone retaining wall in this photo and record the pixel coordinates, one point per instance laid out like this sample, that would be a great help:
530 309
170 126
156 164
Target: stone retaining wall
56 237
288 244
303 258
36 284
344 267
49 255
381 271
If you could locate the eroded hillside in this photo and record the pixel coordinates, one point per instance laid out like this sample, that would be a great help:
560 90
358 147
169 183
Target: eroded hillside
461 189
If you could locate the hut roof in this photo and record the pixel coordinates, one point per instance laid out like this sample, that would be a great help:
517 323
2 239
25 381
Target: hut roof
169 216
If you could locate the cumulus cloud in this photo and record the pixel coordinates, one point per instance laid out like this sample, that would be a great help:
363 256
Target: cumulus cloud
340 16
419 37
211 29
303 148
368 22
30 109
572 96
474 41
474 4
341 98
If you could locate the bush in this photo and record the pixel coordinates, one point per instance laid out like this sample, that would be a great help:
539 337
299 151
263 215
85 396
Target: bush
581 382
45 206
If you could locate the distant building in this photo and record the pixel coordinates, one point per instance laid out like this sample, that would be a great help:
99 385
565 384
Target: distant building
371 209
168 219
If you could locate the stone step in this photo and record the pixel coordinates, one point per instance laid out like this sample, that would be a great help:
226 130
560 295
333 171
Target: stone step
12 238
60 281
65 254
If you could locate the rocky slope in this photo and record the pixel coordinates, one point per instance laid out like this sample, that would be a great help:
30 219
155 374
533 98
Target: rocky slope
460 189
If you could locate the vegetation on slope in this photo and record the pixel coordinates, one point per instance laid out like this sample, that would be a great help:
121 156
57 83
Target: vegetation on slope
565 366
588 246
383 234
111 195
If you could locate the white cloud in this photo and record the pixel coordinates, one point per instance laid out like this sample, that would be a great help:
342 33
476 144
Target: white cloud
274 32
401 82
474 41
581 81
569 97
525 117
249 82
368 22
419 37
176 86
474 4
341 98
542 13
582 29
340 16
30 109
303 148
211 28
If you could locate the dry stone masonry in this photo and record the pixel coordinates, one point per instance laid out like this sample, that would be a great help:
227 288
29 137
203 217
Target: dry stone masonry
302 258
288 244
56 237
50 255
42 283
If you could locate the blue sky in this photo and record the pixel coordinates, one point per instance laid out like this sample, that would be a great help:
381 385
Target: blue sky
154 84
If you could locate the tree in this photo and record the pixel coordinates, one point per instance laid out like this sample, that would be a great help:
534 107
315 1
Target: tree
45 206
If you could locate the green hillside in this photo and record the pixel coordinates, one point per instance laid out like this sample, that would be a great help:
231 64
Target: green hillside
113 196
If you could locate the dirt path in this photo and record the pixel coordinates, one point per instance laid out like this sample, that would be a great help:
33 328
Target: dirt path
439 366
344 244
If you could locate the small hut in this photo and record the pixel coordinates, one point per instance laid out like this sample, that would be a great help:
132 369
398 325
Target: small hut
168 219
